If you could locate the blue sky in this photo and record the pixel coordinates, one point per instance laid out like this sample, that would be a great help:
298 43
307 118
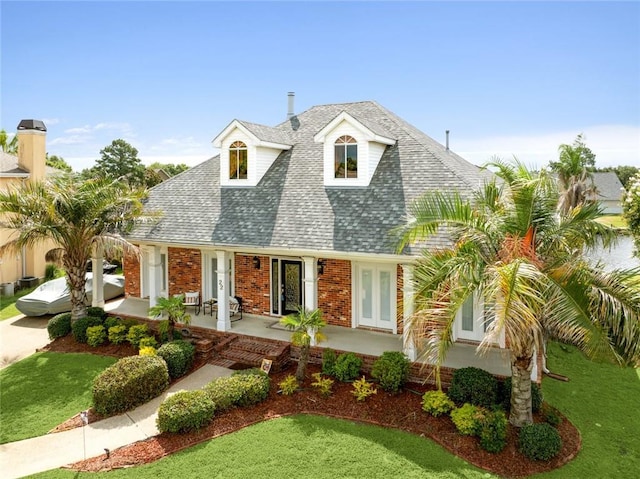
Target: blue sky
504 77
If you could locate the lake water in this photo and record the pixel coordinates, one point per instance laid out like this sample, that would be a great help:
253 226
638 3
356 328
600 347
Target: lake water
619 257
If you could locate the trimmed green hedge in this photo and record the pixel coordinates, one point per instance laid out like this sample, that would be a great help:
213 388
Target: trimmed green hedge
539 442
130 382
179 356
241 389
185 411
96 335
474 386
79 327
391 370
59 326
347 367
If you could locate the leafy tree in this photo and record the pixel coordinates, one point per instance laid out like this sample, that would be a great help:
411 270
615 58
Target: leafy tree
169 168
512 249
631 209
9 146
78 216
573 169
175 311
306 326
119 160
58 163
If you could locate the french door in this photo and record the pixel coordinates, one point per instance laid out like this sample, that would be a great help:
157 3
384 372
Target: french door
286 286
375 298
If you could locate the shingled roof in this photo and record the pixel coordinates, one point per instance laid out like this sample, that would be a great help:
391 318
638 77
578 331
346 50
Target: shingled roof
290 208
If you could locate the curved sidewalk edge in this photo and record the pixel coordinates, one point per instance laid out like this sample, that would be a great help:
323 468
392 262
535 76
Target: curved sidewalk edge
29 456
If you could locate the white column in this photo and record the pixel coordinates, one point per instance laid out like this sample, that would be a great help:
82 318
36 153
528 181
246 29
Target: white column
408 345
153 274
97 281
224 320
310 283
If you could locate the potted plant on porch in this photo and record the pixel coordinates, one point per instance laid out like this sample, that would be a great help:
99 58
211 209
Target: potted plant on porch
306 327
174 310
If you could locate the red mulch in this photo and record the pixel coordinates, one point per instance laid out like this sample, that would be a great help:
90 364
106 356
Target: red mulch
400 411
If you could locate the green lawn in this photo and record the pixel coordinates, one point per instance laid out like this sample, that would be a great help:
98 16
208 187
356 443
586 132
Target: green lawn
44 390
600 399
617 221
8 304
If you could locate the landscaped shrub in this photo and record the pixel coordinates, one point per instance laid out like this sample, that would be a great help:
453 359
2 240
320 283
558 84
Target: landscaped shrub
288 385
118 334
468 419
59 326
322 385
136 333
148 342
79 327
493 431
437 403
328 361
539 442
112 321
536 395
362 389
347 367
391 370
96 335
51 271
129 323
128 383
179 356
474 386
238 390
551 415
148 351
185 411
96 312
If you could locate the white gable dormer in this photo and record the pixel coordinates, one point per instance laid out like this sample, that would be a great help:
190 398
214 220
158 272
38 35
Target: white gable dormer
246 154
352 151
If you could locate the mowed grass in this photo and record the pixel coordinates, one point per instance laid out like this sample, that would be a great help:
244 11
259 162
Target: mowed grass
8 304
44 390
304 447
617 221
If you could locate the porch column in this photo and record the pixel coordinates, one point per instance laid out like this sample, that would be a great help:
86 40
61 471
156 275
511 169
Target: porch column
154 272
224 320
408 346
310 283
97 296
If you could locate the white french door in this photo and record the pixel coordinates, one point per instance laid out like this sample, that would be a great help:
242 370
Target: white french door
375 296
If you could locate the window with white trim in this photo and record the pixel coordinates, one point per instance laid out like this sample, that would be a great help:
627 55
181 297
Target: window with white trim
238 161
346 157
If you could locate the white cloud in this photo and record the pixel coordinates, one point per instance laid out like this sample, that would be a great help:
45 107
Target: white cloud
82 129
612 144
189 160
51 121
70 140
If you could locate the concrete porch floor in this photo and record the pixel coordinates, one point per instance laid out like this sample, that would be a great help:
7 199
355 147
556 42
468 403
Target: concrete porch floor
361 341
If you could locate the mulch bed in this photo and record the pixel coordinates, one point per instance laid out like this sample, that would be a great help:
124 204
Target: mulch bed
400 411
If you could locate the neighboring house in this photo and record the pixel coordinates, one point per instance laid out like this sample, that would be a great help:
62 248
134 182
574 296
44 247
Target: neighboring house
301 214
29 165
608 191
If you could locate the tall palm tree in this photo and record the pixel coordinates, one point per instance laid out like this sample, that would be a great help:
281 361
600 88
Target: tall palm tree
576 181
306 326
514 250
78 216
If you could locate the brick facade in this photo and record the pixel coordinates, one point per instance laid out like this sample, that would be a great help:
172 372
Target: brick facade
253 285
334 292
185 270
131 270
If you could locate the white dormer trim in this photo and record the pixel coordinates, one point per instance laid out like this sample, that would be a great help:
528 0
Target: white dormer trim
260 154
371 146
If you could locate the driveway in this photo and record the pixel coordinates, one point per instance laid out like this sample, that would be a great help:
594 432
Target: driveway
20 337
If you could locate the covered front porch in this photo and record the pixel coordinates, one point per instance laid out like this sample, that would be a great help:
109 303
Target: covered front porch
362 341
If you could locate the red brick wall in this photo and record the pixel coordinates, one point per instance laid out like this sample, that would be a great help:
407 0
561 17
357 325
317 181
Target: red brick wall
185 270
131 270
399 299
334 292
252 284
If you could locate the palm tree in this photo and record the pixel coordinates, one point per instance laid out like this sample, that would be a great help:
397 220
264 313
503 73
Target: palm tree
78 216
174 309
8 146
525 260
306 326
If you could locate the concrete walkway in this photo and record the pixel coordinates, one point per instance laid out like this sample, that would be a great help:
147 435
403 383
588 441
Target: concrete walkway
22 458
20 337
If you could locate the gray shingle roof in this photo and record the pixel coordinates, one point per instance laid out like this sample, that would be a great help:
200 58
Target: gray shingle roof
9 165
291 207
267 133
608 186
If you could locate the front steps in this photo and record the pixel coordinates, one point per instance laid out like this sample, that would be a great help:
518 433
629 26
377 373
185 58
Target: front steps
240 352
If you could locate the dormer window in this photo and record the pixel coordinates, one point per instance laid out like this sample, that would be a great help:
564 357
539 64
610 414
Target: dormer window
346 157
238 161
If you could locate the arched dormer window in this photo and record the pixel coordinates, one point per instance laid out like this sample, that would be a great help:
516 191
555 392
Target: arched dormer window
238 161
346 157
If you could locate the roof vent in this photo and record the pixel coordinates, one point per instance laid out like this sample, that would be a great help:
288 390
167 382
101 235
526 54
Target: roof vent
290 109
32 125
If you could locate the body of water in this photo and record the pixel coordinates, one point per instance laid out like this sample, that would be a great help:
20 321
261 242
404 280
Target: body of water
620 256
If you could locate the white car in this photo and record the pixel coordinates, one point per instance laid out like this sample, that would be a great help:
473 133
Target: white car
53 297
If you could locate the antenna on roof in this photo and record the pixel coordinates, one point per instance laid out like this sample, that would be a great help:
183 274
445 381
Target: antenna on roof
290 111
447 144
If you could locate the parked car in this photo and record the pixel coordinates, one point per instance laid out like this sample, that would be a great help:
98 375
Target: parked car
53 297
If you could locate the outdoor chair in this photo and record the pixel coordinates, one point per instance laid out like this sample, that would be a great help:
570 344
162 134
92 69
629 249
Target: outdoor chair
192 298
235 307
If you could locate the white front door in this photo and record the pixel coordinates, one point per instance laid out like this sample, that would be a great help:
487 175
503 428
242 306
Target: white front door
375 298
470 322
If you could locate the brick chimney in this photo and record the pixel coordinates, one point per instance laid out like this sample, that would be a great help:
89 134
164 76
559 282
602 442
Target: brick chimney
32 150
